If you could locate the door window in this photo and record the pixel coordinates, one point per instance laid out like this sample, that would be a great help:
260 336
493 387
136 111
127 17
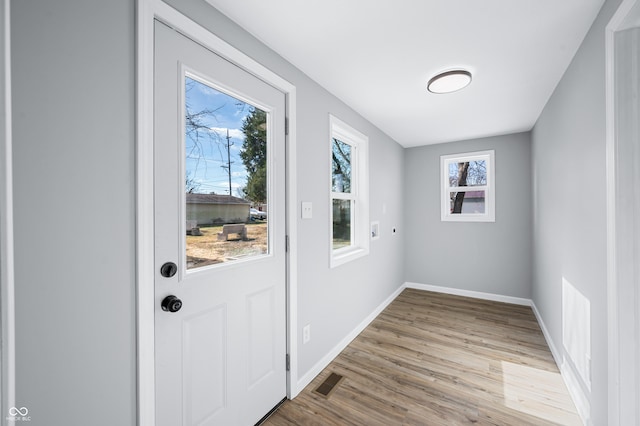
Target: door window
226 191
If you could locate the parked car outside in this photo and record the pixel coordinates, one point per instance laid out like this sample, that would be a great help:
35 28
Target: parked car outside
257 214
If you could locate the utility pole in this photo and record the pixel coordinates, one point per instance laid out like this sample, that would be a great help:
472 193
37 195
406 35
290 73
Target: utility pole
229 162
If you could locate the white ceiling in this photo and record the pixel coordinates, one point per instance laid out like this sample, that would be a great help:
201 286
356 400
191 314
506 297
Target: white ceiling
377 56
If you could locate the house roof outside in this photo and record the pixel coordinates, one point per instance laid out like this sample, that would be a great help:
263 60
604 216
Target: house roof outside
474 194
215 199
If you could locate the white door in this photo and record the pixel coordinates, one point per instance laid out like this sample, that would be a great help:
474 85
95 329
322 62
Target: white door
219 141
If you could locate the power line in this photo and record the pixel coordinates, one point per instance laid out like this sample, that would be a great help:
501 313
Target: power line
229 162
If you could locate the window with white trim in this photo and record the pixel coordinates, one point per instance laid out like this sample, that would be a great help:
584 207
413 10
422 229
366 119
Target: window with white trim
349 218
468 187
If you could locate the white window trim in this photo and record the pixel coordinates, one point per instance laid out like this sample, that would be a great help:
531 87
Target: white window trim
490 200
360 190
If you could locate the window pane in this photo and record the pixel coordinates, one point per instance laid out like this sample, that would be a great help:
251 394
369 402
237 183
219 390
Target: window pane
453 174
469 173
467 202
341 223
226 175
341 170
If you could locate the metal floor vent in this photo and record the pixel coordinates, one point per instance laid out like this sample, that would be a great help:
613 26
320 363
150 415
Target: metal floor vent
329 385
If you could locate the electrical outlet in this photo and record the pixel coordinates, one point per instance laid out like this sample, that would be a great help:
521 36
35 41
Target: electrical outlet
306 333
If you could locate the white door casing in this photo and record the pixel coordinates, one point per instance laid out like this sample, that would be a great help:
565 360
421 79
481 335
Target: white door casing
7 281
221 358
147 12
623 208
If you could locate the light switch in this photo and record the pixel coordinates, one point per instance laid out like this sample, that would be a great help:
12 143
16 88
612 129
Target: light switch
307 210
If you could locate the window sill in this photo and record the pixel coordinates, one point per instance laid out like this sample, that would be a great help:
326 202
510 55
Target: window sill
467 218
347 255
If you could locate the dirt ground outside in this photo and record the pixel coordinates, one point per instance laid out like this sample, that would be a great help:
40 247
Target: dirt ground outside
206 250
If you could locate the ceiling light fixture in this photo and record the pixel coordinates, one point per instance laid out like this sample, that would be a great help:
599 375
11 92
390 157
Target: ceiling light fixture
449 81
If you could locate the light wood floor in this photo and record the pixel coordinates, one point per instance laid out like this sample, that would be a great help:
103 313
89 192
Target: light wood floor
437 359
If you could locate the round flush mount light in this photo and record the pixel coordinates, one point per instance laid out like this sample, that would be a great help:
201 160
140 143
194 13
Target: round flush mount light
449 81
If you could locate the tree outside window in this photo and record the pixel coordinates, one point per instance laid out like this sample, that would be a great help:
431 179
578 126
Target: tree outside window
468 187
349 193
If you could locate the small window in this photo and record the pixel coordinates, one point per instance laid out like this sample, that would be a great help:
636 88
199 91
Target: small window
468 188
349 193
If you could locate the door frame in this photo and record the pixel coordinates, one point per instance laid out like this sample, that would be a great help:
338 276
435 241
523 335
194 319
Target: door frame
618 237
7 282
146 12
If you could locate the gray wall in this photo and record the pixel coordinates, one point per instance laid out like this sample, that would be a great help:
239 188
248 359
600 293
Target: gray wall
496 255
73 162
73 68
568 150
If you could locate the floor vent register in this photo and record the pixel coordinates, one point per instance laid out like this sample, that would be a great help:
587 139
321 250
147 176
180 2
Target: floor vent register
329 385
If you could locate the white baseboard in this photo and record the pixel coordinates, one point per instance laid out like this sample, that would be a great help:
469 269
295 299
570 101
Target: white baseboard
547 336
469 293
326 360
578 396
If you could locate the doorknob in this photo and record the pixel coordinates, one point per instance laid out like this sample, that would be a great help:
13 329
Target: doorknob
168 270
171 304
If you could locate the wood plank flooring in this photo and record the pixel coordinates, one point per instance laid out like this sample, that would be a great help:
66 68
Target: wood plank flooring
437 359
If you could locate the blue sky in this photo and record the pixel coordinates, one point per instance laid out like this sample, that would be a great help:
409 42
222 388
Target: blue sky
204 162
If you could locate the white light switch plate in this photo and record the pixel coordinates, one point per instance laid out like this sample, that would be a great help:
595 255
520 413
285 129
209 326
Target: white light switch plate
307 210
306 333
